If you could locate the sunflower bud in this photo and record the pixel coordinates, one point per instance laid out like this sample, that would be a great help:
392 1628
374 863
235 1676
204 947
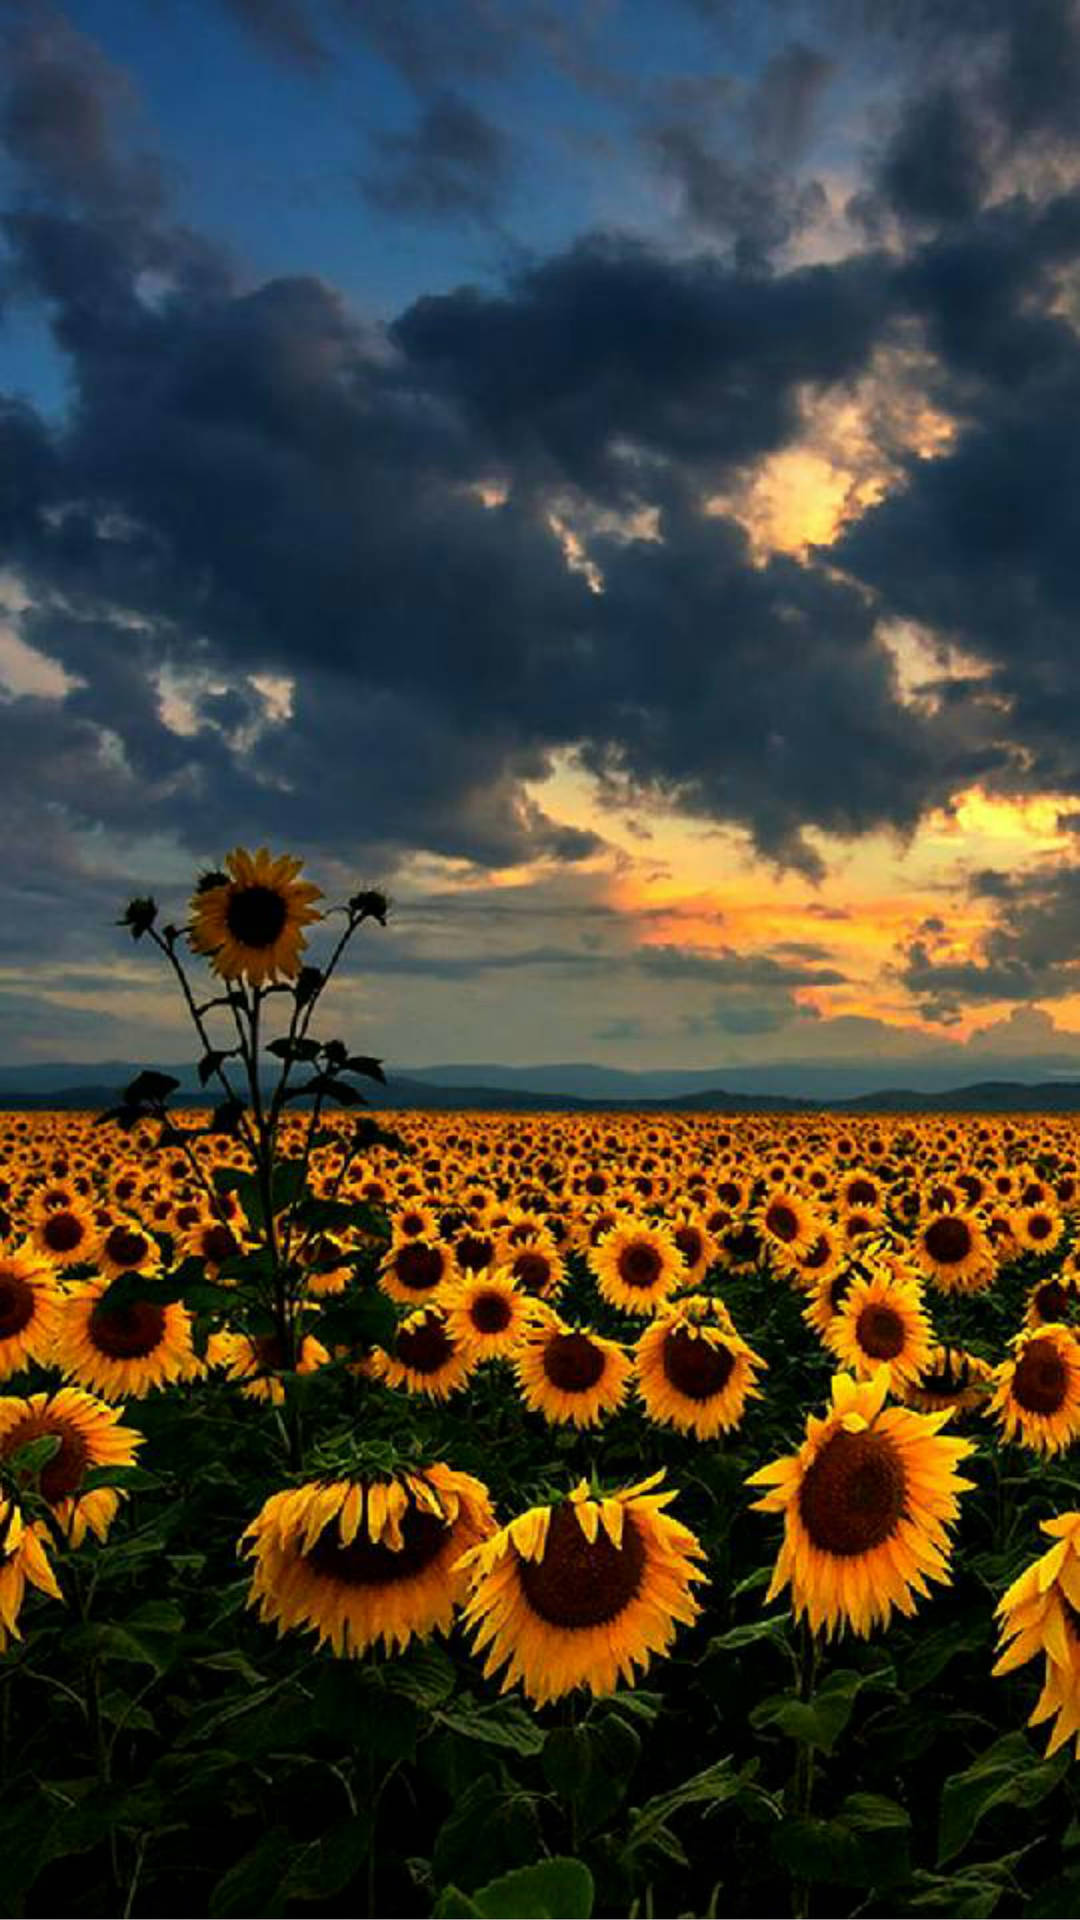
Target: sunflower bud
139 915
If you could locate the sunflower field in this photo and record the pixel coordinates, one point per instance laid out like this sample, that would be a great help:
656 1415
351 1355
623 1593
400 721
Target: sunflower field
568 1514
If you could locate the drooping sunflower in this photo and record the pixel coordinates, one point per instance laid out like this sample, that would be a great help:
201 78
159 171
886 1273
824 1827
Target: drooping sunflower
1040 1613
693 1375
487 1312
425 1356
695 1243
122 1352
866 1503
952 1378
952 1247
1053 1299
367 1560
882 1320
249 920
30 1305
23 1557
569 1375
582 1593
257 1359
637 1265
1037 1391
90 1436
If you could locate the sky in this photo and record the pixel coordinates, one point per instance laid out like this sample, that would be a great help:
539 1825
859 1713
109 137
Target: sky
604 471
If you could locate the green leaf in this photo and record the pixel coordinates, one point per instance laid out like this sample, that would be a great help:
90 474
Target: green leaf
820 1720
254 1884
713 1787
452 1904
972 1894
35 1454
774 1626
556 1889
866 1844
934 1651
502 1723
325 1868
425 1674
1008 1774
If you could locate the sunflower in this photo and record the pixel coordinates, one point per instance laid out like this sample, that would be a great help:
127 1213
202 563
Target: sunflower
693 1376
425 1358
881 1320
861 1189
23 1558
122 1351
952 1247
412 1270
249 920
1037 1392
537 1267
951 1377
259 1358
90 1437
125 1247
486 1312
1037 1228
211 1241
1054 1299
786 1222
695 1243
822 1260
1040 1613
570 1375
363 1560
30 1303
866 1503
66 1235
637 1264
580 1593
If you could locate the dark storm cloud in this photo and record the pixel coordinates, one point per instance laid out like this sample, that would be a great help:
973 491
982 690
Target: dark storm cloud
59 102
786 100
755 206
1031 953
937 164
283 27
455 160
731 969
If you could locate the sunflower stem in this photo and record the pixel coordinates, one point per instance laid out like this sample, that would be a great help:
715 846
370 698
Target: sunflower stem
803 1781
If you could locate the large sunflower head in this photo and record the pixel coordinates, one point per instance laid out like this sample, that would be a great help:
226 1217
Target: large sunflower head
366 1560
67 1235
426 1356
568 1374
126 1247
413 1270
1037 1390
536 1266
30 1305
249 921
90 1437
580 1593
866 1502
259 1359
881 1321
124 1351
1040 1614
786 1222
1038 1226
637 1265
693 1375
1054 1299
487 1312
952 1247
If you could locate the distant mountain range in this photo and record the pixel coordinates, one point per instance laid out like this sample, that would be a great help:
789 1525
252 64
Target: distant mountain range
573 1088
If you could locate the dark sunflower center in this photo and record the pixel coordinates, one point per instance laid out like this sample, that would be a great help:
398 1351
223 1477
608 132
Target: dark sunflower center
728 1193
744 1243
474 1251
817 1256
948 1240
1041 1380
532 1271
1052 1300
862 1193
572 1362
412 1223
950 1377
853 1494
255 916
16 1305
880 1332
578 1584
425 1348
491 1313
63 1474
839 1290
782 1221
639 1264
218 1243
689 1242
370 1563
62 1232
126 1247
1039 1226
595 1183
694 1366
130 1332
418 1267
268 1352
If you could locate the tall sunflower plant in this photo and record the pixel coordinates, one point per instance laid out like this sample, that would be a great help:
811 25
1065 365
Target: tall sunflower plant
248 923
